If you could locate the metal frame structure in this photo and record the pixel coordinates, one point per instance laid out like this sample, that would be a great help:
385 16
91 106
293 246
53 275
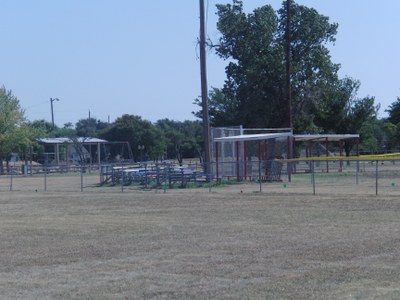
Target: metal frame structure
238 152
59 142
326 138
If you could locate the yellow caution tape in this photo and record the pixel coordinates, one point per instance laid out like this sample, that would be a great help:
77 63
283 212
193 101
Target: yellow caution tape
388 156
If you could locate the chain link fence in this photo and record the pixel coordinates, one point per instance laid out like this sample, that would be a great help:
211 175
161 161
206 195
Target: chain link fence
317 176
105 177
378 177
49 178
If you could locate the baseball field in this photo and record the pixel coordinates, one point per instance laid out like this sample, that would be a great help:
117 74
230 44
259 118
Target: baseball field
231 243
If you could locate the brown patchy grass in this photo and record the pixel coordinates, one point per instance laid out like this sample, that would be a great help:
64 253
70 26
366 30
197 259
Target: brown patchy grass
232 243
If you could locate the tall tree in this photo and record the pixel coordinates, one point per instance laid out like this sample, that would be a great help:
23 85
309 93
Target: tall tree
255 66
362 119
254 92
391 126
15 134
341 111
394 112
312 71
223 110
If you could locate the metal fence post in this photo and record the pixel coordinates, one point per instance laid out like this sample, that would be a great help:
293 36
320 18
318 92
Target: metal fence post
45 180
145 175
11 180
313 176
376 179
357 170
209 180
259 174
122 178
182 178
82 178
169 177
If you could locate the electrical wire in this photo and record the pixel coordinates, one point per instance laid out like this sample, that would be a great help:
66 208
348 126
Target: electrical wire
35 105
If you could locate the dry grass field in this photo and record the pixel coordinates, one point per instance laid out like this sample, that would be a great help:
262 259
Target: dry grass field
230 243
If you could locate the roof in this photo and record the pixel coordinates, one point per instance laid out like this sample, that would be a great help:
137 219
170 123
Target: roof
61 140
324 137
297 137
253 137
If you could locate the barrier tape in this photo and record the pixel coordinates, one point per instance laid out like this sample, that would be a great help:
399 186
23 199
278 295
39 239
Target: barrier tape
389 156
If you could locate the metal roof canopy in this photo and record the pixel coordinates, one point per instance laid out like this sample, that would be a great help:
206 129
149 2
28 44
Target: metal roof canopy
297 137
291 143
324 137
70 141
253 137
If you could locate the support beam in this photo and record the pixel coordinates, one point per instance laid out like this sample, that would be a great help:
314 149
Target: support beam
237 161
289 156
57 154
340 154
327 154
98 153
216 159
244 160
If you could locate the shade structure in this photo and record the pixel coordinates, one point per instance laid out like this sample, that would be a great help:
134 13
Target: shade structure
233 155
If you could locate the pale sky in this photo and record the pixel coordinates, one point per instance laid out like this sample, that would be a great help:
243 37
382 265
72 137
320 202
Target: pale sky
114 57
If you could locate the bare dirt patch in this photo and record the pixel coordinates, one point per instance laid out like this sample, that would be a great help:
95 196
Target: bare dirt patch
191 244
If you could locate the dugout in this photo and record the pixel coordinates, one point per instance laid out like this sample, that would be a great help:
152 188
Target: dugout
309 142
242 156
239 153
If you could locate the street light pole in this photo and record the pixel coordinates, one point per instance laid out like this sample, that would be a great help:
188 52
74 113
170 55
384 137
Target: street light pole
52 111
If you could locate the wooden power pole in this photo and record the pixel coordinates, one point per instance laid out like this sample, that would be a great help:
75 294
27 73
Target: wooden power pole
204 91
288 67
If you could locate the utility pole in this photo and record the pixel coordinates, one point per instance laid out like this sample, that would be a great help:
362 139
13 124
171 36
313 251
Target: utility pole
288 84
204 92
288 65
52 111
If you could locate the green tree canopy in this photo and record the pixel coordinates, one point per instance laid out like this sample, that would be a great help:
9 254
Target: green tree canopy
44 128
137 132
15 134
341 111
90 127
254 92
391 126
394 112
182 139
